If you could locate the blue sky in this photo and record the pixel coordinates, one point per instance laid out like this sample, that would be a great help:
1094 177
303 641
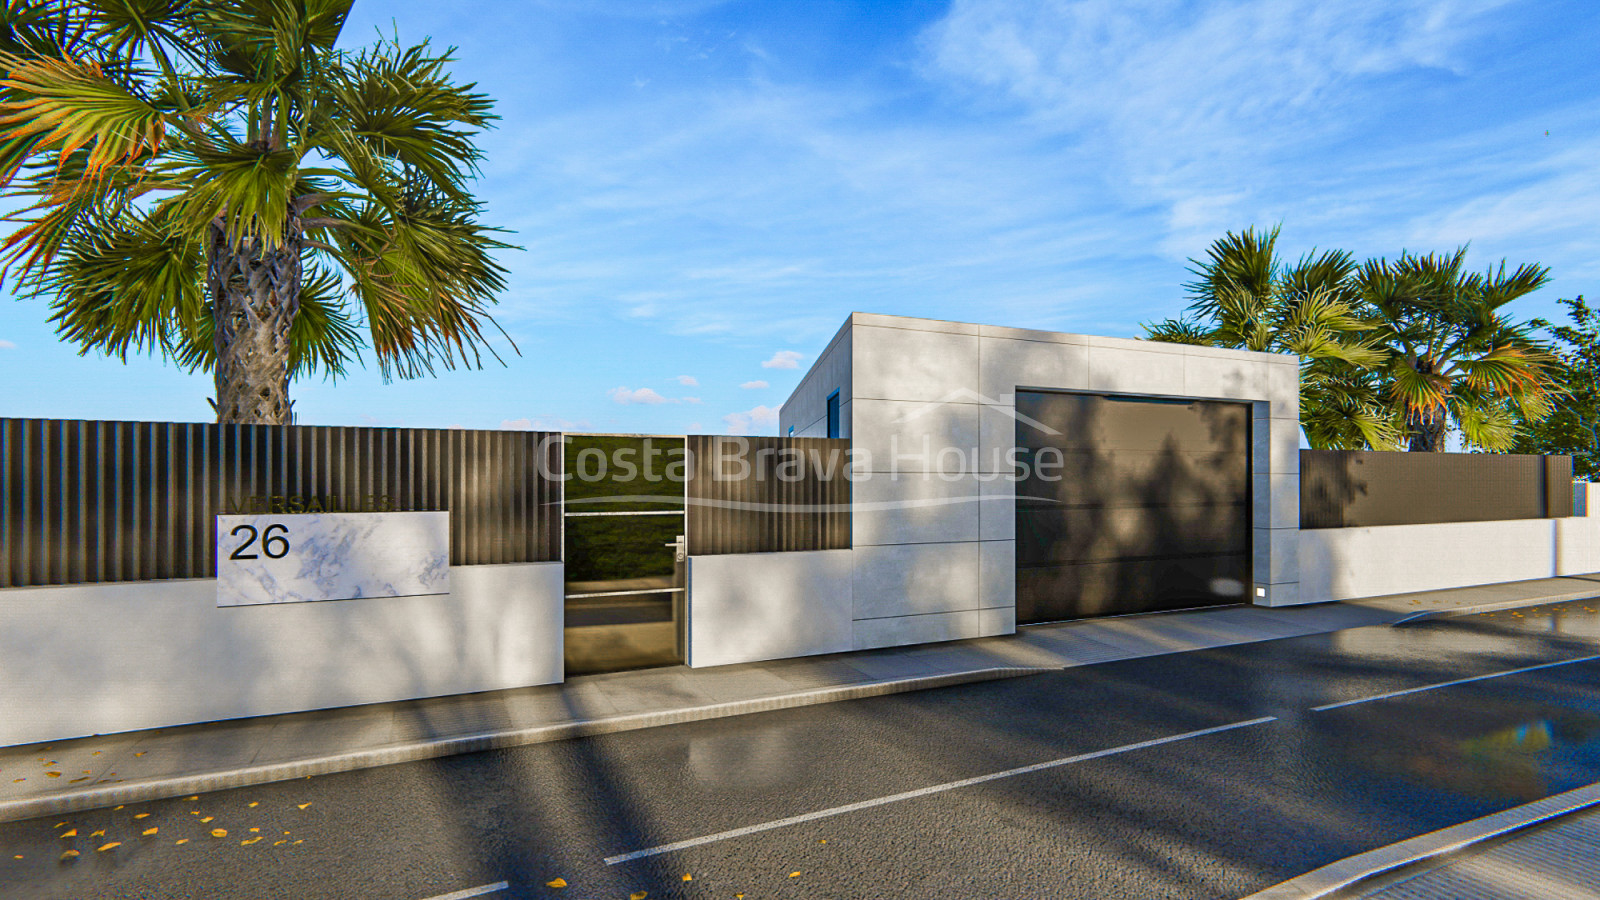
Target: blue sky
704 190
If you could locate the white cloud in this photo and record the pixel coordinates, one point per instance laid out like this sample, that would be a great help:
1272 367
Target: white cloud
692 400
761 418
7 345
754 385
688 380
1207 110
625 396
783 359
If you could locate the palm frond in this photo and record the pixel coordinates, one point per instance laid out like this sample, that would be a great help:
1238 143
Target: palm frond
123 282
1178 331
69 105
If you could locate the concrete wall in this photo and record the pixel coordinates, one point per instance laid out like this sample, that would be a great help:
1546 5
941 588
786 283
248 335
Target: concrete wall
749 607
807 408
934 544
1349 563
104 658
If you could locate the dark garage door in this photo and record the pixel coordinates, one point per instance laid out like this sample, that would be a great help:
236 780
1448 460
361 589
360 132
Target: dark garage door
1132 504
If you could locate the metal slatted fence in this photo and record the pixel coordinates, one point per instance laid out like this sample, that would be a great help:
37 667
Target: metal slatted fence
89 501
768 494
1361 488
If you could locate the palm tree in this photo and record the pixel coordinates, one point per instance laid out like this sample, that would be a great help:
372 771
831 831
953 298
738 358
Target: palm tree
1245 298
1450 356
216 181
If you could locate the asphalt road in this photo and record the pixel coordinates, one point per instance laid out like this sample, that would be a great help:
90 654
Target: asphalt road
1206 774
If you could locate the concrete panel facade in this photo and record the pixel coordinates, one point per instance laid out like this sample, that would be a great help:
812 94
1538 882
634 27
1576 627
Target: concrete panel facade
749 607
931 410
105 658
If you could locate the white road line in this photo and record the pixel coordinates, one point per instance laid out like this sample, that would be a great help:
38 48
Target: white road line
474 892
923 792
1429 687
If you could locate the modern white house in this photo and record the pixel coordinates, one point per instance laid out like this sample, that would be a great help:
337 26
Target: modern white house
994 477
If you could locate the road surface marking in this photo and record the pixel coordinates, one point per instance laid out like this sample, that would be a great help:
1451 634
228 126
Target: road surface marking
923 792
474 892
1429 687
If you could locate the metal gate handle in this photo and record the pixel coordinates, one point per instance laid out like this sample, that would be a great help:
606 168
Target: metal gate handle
680 544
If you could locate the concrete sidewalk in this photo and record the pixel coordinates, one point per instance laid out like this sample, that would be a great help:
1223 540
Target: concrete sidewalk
86 773
1547 848
1484 598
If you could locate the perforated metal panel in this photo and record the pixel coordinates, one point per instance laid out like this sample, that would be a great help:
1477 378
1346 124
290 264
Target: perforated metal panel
1130 504
1364 488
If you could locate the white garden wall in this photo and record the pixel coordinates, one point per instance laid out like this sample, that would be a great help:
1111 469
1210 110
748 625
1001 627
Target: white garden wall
104 658
1350 563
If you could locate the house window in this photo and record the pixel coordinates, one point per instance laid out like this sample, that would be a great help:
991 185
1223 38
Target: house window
833 414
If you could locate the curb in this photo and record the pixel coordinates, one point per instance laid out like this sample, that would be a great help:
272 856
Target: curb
1457 611
1345 874
163 788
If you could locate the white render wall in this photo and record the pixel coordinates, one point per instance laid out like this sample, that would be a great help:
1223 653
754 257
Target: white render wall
1350 563
748 607
934 549
104 658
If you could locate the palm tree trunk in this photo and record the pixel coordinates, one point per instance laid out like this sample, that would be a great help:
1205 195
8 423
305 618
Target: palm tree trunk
255 294
1427 432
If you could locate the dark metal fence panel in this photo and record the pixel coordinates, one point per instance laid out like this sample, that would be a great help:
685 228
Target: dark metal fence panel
1361 488
768 494
88 502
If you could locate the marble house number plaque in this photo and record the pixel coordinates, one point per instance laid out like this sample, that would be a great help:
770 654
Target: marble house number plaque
297 558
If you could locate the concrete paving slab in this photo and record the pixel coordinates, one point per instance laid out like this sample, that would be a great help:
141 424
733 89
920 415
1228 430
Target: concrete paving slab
666 691
1484 598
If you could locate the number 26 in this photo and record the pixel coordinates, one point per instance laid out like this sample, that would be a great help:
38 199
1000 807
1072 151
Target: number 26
270 541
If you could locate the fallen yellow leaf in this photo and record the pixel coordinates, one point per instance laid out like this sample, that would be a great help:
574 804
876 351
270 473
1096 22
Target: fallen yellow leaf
794 874
638 895
115 807
141 752
70 854
100 833
18 856
255 829
688 878
181 841
255 803
96 753
304 805
142 816
249 842
558 883
276 843
76 780
149 831
219 832
72 833
111 846
52 774
208 818
60 824
17 780
297 843
195 797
